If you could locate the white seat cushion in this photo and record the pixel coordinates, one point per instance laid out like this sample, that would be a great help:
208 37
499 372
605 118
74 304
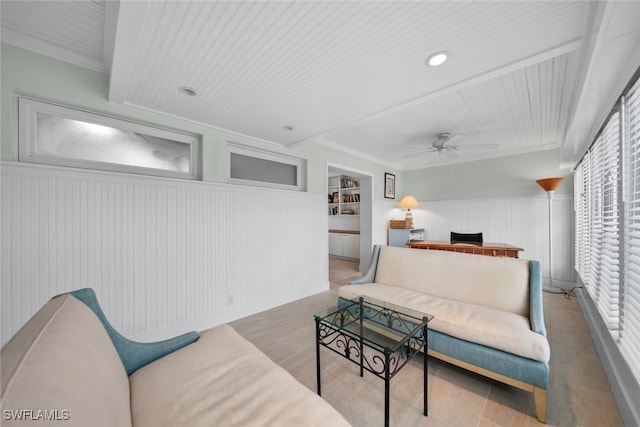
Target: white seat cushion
223 380
487 326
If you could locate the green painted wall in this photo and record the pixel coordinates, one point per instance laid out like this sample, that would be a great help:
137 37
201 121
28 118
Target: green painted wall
26 73
510 176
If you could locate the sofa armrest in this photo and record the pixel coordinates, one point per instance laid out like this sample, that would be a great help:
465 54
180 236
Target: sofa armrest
133 354
370 275
536 308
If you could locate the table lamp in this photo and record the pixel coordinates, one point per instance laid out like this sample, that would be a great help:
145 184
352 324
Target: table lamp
408 203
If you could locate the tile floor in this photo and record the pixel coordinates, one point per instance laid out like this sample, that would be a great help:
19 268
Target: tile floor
579 394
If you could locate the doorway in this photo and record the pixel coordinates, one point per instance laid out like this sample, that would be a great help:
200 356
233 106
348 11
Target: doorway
352 216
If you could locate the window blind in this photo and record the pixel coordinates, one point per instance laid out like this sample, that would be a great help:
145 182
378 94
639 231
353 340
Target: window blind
609 302
602 278
583 230
630 334
607 211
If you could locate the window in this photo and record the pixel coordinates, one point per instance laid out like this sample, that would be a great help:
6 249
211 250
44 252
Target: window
603 271
583 228
607 209
57 135
630 331
250 166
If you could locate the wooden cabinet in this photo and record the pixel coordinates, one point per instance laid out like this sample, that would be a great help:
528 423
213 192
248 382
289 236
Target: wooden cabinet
344 245
343 195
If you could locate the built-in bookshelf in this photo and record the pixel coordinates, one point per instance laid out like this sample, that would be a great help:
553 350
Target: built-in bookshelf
343 195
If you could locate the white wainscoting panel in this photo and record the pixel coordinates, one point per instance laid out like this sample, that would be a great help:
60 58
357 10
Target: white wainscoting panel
164 256
522 222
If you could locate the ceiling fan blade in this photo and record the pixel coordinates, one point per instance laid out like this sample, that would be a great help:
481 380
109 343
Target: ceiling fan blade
477 147
419 153
456 139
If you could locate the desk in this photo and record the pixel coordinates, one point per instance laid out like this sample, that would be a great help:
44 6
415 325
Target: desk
490 249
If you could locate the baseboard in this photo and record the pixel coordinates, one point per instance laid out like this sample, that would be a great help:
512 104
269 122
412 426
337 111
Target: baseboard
624 387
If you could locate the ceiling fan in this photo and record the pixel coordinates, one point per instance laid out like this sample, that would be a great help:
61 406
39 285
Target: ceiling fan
443 145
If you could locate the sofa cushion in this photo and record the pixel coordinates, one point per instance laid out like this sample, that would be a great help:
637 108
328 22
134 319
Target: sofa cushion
62 362
494 328
223 379
494 282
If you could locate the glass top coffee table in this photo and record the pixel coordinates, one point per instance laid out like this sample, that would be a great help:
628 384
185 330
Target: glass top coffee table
379 337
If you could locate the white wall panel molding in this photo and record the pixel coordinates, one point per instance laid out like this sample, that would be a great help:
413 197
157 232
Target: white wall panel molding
163 255
520 221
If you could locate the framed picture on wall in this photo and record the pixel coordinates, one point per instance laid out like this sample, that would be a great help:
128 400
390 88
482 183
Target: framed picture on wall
389 186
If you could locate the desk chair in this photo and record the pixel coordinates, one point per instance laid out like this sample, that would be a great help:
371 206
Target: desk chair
466 238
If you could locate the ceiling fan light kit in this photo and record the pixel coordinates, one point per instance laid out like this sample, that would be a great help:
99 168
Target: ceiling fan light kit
443 145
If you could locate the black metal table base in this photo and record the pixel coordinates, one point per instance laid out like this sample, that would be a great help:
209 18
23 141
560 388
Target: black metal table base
344 336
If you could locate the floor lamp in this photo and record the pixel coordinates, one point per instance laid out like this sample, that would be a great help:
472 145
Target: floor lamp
550 185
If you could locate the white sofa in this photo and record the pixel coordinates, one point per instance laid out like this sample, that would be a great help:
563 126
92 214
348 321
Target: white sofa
488 314
62 368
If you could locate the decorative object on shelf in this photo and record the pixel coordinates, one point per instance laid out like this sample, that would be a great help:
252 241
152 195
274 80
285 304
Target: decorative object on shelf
351 198
346 200
389 186
550 185
348 182
400 223
408 203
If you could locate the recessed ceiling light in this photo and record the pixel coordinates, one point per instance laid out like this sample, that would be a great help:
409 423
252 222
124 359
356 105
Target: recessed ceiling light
437 58
186 90
288 128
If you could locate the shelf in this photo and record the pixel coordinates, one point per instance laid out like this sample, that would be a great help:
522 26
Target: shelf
343 191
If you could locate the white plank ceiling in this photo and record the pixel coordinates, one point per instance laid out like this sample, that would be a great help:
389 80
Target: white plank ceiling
348 74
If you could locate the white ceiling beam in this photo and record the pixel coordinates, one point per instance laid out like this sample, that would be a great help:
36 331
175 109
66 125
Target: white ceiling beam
510 68
610 57
123 48
45 48
109 37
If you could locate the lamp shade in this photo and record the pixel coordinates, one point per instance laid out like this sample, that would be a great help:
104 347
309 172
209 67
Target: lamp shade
550 184
408 202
